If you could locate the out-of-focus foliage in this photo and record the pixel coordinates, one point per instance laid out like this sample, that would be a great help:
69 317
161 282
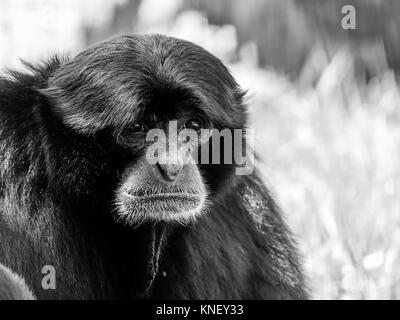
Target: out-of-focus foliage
34 29
332 157
324 104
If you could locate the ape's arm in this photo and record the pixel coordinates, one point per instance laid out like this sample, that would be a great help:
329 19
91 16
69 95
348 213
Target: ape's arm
12 286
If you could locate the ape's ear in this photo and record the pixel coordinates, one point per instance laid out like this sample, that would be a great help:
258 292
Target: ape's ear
13 287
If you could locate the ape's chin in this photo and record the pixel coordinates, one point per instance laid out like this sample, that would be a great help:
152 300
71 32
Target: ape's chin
182 208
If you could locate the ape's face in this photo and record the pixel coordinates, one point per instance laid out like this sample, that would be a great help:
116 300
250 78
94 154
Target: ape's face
124 91
163 182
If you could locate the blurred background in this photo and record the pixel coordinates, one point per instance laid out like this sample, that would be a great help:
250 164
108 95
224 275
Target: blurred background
324 104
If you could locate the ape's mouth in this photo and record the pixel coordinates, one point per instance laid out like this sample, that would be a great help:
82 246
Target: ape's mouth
171 202
160 206
164 196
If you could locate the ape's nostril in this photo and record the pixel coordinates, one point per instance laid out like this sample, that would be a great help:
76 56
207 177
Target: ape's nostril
169 171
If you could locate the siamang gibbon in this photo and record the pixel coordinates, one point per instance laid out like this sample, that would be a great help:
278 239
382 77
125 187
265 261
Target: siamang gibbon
79 193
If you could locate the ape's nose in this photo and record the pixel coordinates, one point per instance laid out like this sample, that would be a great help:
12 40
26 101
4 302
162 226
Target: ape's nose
170 171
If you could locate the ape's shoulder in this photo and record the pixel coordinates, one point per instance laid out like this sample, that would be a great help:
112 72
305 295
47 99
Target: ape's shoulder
32 75
12 286
20 99
19 90
252 217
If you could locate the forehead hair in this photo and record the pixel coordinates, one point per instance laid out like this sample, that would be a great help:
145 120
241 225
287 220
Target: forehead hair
109 84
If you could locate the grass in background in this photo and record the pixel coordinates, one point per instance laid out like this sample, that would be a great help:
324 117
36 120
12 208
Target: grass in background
332 158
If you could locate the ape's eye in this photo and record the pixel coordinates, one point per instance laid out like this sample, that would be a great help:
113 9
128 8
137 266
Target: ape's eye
136 128
193 124
130 133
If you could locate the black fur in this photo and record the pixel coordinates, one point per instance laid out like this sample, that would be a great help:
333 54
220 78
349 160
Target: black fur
58 172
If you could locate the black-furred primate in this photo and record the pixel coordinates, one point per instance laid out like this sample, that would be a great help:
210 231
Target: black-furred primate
77 193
